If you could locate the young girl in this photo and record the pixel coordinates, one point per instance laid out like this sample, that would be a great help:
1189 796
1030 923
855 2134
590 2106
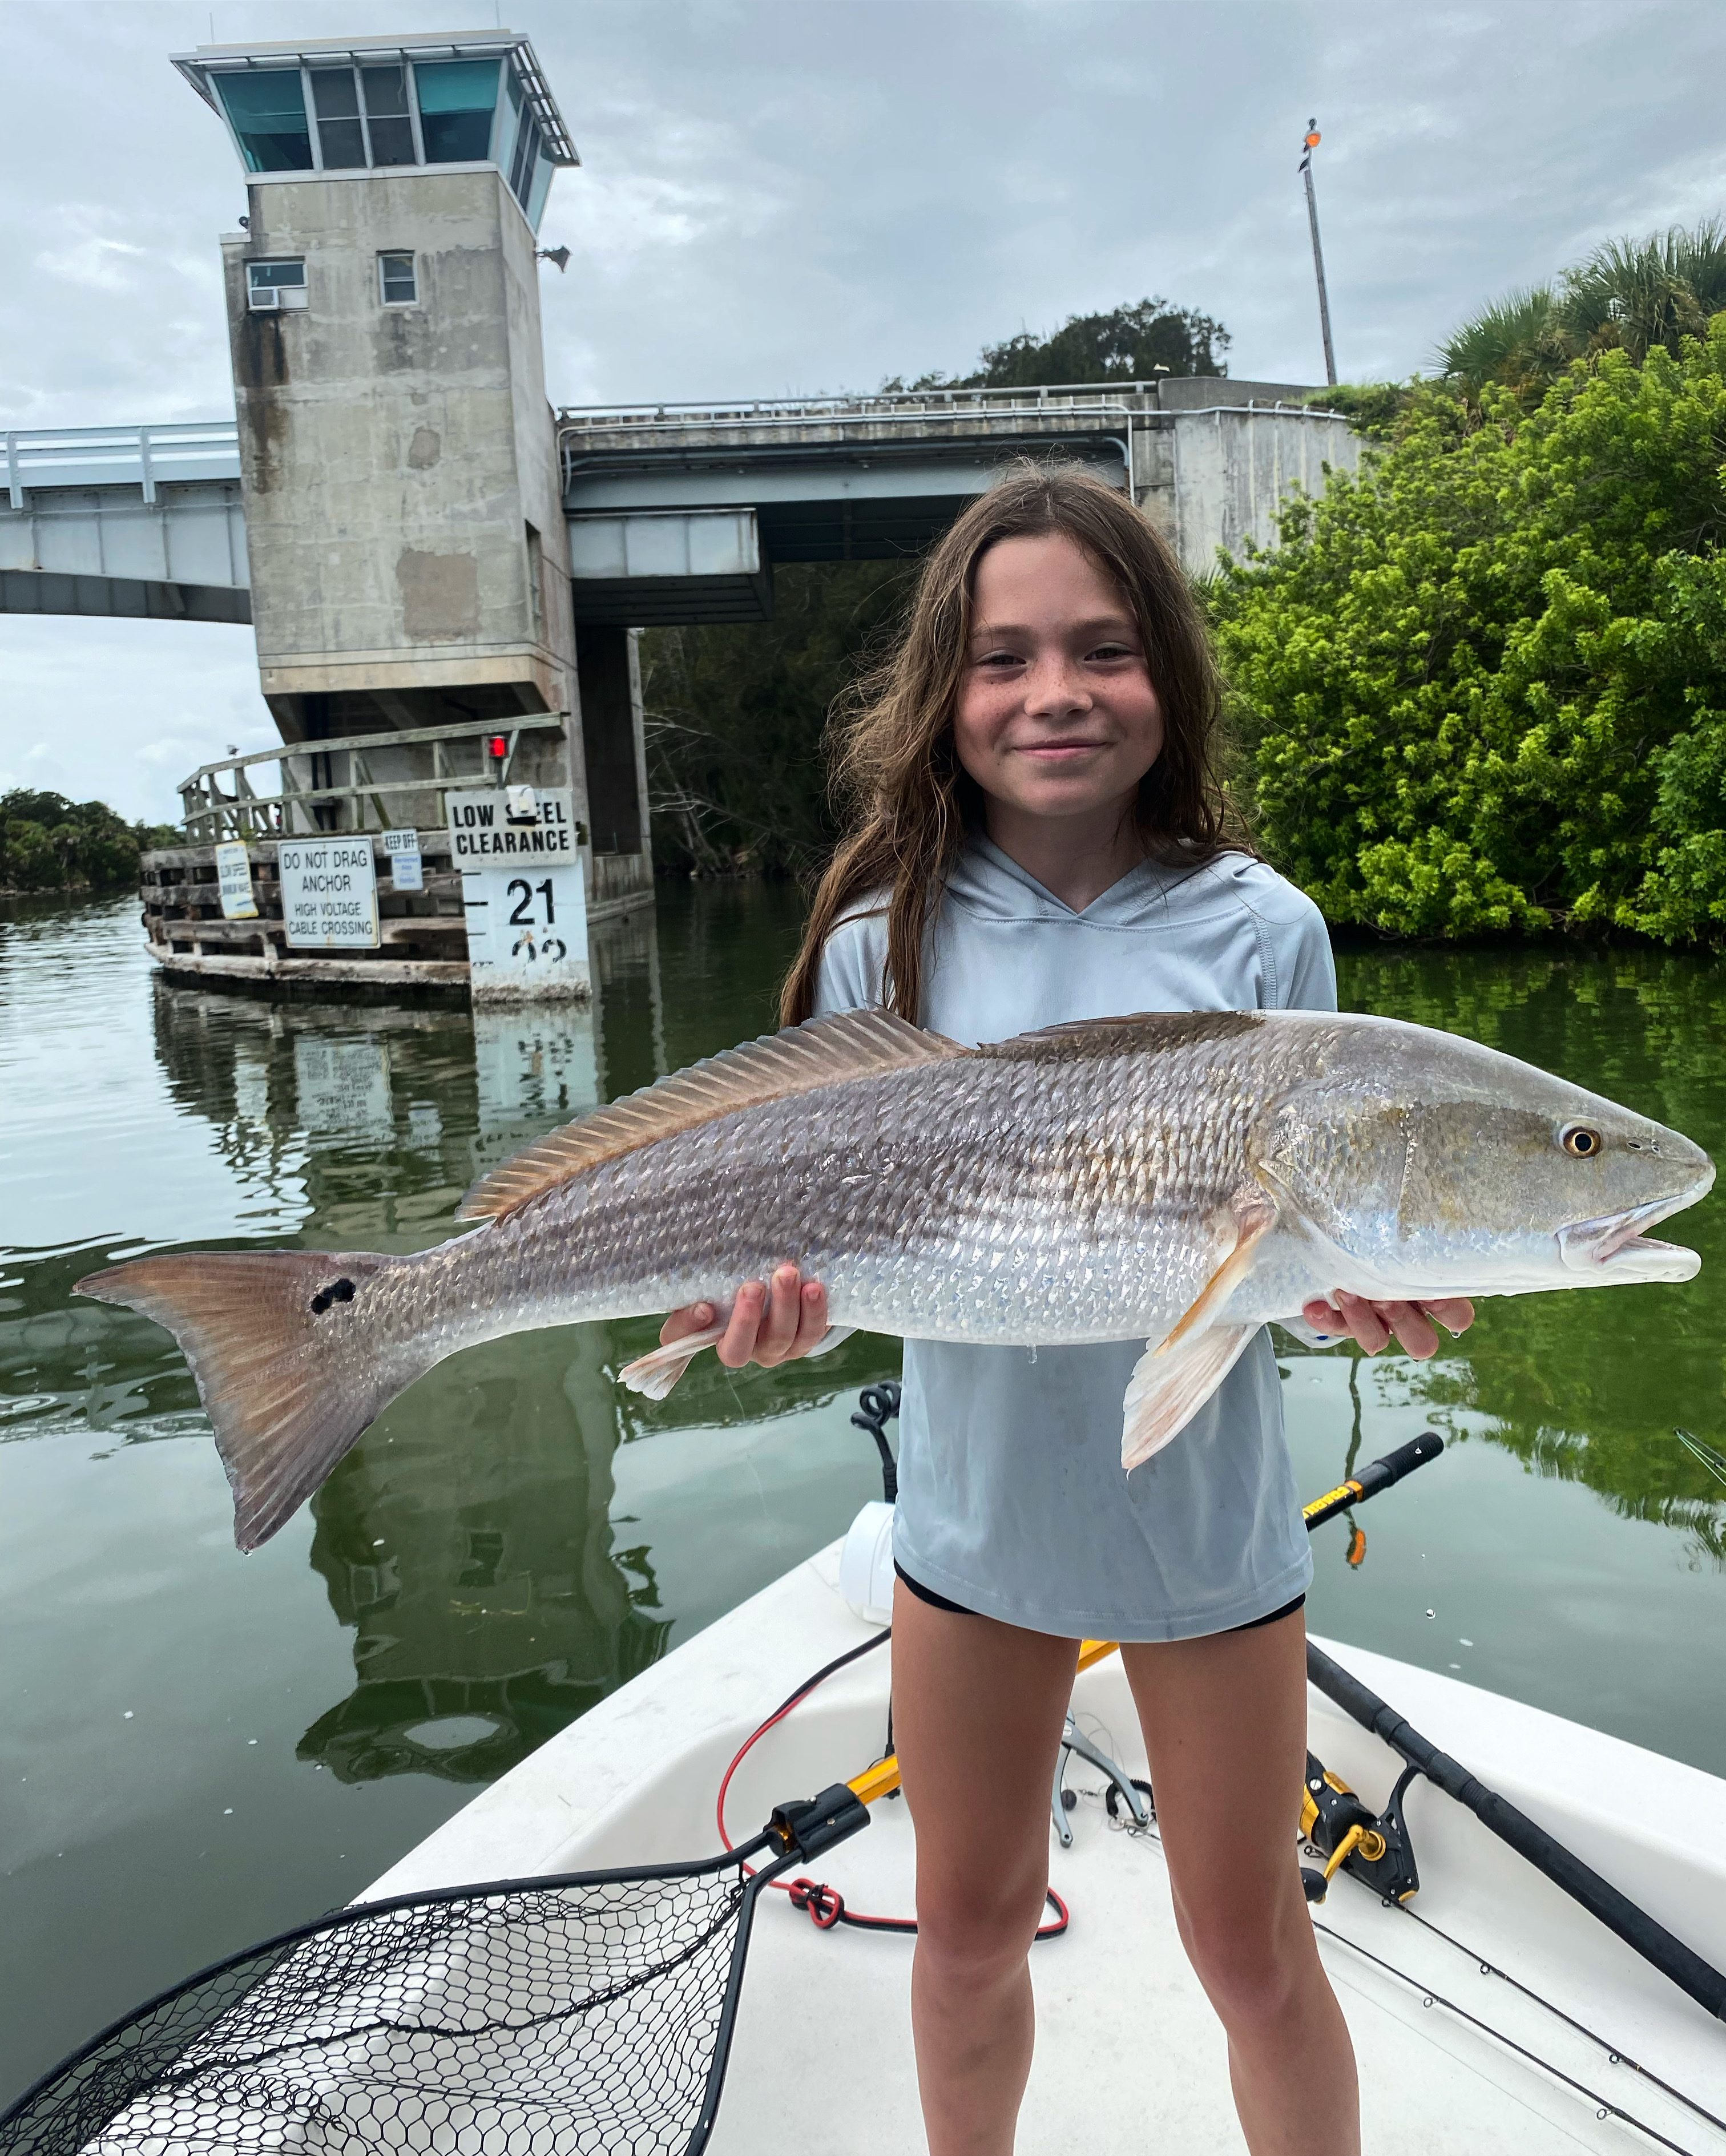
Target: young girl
1040 837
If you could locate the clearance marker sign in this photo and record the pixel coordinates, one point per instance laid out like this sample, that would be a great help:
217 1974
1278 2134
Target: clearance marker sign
523 893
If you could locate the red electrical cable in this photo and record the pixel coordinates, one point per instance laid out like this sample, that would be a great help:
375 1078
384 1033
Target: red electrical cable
825 1905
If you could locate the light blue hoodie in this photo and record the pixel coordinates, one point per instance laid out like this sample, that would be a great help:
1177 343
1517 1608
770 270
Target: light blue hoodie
1012 1498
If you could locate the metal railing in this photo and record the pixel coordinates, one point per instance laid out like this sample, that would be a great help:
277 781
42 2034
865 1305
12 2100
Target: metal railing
117 456
211 814
1058 397
845 405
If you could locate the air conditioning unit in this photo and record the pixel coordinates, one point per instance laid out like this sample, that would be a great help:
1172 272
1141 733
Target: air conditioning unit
264 298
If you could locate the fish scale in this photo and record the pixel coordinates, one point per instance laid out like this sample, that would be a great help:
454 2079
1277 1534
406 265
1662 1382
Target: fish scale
1177 1179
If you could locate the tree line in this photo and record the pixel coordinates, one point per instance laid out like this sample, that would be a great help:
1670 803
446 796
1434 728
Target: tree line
1479 689
47 843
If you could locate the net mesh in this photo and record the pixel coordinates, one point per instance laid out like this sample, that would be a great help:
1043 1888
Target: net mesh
542 2020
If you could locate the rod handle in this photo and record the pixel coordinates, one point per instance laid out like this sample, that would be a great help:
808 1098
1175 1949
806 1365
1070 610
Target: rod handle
1380 1473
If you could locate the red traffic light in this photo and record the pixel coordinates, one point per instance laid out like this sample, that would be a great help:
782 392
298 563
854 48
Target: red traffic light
498 746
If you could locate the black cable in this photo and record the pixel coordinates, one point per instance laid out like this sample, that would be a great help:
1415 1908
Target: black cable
831 1669
877 1405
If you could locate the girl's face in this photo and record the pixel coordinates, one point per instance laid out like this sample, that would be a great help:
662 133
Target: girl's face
1056 716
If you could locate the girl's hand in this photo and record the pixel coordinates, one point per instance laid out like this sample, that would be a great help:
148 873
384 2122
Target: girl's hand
1373 1323
769 1324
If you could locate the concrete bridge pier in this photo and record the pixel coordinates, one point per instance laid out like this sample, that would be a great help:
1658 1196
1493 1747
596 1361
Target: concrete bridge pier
614 753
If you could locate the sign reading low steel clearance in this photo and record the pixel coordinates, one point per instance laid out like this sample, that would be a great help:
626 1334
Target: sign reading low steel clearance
523 891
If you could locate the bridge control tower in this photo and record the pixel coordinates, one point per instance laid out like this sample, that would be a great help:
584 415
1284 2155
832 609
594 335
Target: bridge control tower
409 558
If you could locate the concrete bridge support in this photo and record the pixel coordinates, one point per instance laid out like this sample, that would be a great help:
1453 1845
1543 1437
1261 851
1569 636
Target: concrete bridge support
609 673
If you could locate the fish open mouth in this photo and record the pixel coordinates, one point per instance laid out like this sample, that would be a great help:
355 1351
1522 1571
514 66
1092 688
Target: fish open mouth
1615 1243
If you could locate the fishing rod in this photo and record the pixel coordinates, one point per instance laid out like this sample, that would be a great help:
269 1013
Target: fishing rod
1643 1933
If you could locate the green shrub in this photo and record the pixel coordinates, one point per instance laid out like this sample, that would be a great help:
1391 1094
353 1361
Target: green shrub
1482 687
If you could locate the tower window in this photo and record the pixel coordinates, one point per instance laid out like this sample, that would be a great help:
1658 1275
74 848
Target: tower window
457 98
272 285
267 109
395 274
386 112
339 133
521 164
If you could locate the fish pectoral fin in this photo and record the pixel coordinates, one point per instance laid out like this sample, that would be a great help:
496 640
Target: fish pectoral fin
655 1372
1168 1387
1254 1214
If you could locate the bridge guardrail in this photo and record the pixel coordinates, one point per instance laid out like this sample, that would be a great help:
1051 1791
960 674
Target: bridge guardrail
177 451
593 438
914 403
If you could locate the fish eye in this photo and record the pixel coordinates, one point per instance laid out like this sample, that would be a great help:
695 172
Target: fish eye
1580 1141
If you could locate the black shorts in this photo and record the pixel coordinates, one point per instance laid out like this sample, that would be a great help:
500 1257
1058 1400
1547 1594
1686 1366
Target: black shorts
958 1609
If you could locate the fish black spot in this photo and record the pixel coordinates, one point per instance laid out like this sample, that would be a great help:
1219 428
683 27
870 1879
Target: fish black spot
338 1291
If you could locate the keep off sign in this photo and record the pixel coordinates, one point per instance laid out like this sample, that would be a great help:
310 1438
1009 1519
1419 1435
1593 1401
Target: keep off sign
523 891
329 893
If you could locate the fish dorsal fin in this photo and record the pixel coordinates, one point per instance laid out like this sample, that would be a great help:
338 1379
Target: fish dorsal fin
826 1051
1133 1032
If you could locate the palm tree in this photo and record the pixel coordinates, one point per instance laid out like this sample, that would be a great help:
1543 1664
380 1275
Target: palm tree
1635 295
1517 342
1631 295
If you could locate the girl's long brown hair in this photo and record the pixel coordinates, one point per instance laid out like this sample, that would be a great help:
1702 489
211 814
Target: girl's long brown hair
909 801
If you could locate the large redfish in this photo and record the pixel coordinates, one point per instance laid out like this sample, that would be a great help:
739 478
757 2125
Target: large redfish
1179 1180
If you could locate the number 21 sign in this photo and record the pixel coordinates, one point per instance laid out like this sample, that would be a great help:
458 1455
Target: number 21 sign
522 892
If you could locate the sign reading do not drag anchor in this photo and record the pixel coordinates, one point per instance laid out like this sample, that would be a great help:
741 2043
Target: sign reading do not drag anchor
523 891
328 892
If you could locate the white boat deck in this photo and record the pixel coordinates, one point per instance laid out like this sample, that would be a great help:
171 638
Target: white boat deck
1452 2058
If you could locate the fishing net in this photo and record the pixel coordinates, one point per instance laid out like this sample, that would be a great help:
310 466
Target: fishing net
545 2018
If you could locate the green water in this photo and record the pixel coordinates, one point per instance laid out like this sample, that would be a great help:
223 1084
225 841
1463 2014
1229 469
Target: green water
197 1749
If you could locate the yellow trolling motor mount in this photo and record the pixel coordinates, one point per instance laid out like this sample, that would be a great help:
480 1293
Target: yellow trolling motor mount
1374 1847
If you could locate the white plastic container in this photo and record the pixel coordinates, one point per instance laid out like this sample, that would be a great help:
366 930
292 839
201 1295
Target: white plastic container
865 1564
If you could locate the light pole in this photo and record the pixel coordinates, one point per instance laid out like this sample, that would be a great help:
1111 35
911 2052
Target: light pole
1330 357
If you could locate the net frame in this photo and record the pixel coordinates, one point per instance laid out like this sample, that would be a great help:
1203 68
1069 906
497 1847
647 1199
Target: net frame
190 2063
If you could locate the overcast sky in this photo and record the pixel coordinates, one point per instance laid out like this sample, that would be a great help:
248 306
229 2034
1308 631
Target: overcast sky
796 195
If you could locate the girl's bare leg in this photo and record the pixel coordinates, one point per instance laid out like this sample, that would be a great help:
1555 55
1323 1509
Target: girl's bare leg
977 1708
1225 1722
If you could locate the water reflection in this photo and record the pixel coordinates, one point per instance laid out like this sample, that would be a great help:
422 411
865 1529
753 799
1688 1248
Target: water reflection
1590 1388
466 1540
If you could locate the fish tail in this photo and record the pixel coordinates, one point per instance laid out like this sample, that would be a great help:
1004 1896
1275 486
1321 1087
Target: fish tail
285 1361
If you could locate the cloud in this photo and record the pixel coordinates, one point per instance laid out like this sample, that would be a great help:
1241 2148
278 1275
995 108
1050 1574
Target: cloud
122 710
